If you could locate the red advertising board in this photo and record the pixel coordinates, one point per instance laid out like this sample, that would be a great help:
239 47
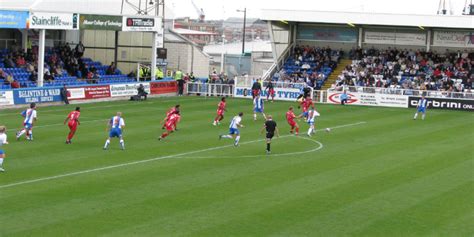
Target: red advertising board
97 92
157 88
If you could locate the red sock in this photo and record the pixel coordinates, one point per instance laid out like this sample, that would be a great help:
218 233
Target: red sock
70 136
164 135
297 130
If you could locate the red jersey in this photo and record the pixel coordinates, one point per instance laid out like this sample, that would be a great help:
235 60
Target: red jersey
221 106
173 120
74 117
170 112
307 104
290 116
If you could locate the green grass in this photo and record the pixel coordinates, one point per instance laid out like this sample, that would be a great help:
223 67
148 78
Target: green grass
387 175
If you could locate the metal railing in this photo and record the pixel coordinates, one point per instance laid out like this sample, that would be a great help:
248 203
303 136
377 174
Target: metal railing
209 89
408 92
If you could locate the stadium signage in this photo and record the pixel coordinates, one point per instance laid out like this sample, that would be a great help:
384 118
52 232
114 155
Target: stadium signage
54 21
42 95
13 19
89 92
327 34
157 88
127 89
100 22
6 98
397 38
287 94
370 99
444 103
141 24
454 38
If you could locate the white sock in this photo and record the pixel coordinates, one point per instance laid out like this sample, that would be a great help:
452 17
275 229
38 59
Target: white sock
237 139
1 162
416 115
122 143
423 116
254 116
23 131
227 136
310 130
107 143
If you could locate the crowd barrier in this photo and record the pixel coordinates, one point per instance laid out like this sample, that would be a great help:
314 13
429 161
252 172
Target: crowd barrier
86 92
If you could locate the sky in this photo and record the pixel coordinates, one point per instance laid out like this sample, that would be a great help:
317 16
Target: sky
221 9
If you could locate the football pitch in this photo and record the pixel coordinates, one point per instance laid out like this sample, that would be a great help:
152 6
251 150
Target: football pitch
377 173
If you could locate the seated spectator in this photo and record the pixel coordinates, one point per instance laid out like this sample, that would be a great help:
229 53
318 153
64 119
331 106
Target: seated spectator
15 84
8 62
20 61
111 69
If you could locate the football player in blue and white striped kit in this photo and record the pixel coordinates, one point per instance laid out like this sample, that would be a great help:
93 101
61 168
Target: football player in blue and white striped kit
421 108
258 107
234 132
116 125
3 141
312 114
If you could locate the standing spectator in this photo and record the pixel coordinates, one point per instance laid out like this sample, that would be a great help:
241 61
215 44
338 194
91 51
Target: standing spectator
178 76
344 98
64 95
79 50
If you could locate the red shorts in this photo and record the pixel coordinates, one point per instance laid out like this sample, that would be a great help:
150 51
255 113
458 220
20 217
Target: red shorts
220 112
72 126
255 92
169 128
271 92
292 123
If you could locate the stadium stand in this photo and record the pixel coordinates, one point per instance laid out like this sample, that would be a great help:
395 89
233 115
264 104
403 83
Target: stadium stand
63 66
312 65
408 69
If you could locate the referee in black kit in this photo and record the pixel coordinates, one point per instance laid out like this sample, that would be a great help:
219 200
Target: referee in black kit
271 128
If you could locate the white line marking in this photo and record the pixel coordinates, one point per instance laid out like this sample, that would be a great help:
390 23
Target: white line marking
319 147
143 161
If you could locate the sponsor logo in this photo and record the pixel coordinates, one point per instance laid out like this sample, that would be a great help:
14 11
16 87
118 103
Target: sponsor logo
440 103
140 22
336 98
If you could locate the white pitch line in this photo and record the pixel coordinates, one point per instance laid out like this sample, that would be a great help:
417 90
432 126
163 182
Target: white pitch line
144 161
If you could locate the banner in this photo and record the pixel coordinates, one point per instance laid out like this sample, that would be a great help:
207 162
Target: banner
100 22
53 21
157 88
89 92
287 94
127 89
6 98
444 103
141 24
41 95
370 99
373 37
327 34
454 39
13 19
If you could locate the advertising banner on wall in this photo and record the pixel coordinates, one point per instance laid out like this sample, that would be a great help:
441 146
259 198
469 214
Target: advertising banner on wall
89 92
157 88
286 94
100 22
454 39
444 103
127 89
13 19
370 99
6 98
149 24
327 34
53 21
40 95
397 38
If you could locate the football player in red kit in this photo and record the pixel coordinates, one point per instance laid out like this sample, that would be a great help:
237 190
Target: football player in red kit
220 112
290 118
170 112
170 125
73 119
